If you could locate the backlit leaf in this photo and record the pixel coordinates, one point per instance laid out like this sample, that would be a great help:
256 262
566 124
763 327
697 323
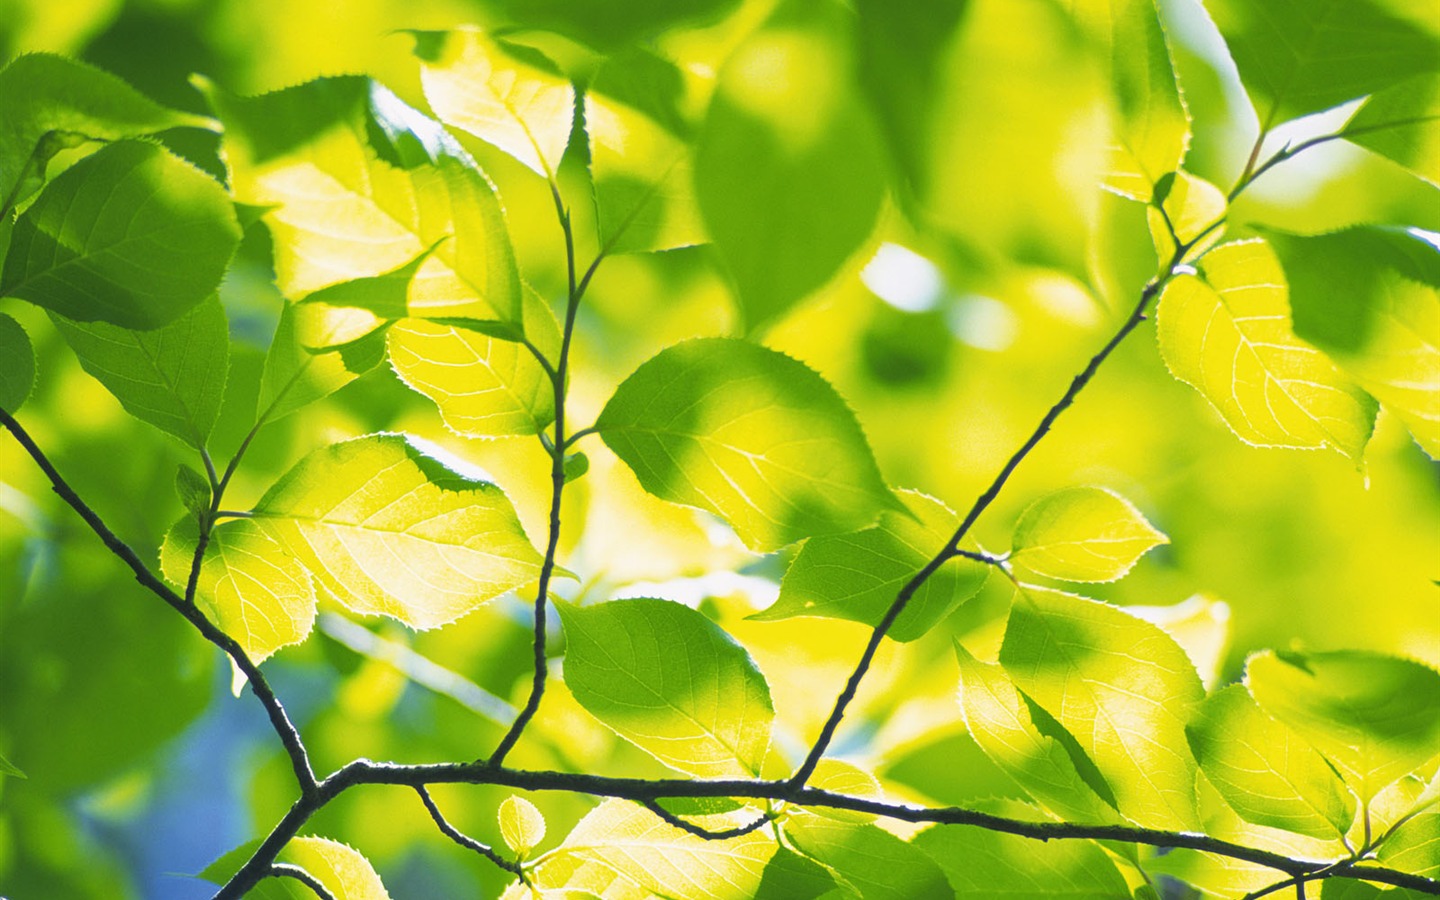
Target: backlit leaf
1083 534
749 434
1192 207
840 777
1121 686
874 863
172 377
1227 333
522 825
1265 771
130 235
1402 123
857 576
1375 717
248 586
672 682
295 376
1414 846
17 365
341 869
387 529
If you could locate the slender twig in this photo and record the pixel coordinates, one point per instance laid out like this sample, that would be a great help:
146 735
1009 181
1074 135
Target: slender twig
1284 153
285 870
463 839
701 831
575 437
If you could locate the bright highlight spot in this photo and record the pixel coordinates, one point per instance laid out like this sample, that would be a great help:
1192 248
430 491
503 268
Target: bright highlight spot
904 279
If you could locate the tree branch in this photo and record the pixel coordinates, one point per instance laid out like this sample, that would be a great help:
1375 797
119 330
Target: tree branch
462 839
285 870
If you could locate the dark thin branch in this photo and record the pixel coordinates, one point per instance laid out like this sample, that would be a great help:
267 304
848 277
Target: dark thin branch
463 839
285 870
701 831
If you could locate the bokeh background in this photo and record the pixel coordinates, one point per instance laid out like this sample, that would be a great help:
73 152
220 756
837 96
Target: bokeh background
949 341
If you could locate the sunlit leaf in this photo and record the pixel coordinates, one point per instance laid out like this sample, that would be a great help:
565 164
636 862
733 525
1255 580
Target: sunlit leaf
1265 771
672 682
874 863
785 134
359 184
1121 686
1402 122
130 235
248 585
857 576
749 434
1302 56
345 873
491 91
295 376
1000 721
1227 333
522 825
17 365
1370 296
172 377
387 529
1083 534
1194 209
1375 717
1414 846
840 777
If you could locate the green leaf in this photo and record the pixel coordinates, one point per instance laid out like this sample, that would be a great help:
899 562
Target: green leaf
248 586
1153 128
365 515
1226 332
1121 686
382 298
483 386
193 489
295 376
750 434
620 849
1191 207
1402 123
790 876
130 235
341 869
1375 717
359 184
1349 889
1083 534
51 102
612 25
576 465
522 825
840 777
875 864
1414 846
1265 771
1000 721
785 135
17 365
1370 296
1302 56
481 86
8 768
856 576
980 863
172 377
672 682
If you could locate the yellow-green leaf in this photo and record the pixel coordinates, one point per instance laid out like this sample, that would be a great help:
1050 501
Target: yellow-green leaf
1083 534
343 871
17 365
1227 333
522 825
1192 207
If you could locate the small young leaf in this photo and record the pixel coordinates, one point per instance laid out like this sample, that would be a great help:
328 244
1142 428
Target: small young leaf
1227 333
856 576
1402 123
1083 534
576 465
1375 717
522 825
248 586
1191 206
130 235
1121 686
172 377
749 434
672 682
365 515
193 490
17 365
874 863
1265 771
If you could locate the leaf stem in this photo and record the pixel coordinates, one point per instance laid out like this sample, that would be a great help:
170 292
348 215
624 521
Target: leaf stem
701 831
285 870
463 839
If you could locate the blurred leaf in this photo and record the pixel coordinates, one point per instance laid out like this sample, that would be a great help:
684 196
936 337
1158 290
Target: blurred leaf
875 864
1265 771
1349 889
1370 295
8 768
294 376
172 377
1402 123
785 135
749 434
51 102
17 365
522 825
1226 332
359 184
999 720
248 585
1083 534
364 515
1121 686
613 24
130 235
672 682
1375 717
857 576
475 84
